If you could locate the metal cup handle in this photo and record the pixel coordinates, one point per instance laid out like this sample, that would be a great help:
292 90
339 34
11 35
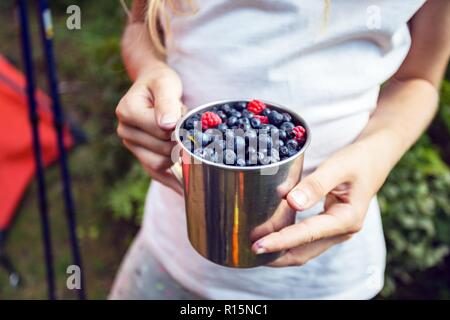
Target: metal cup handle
177 172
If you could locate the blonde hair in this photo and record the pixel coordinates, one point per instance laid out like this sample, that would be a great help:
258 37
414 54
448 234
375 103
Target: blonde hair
158 19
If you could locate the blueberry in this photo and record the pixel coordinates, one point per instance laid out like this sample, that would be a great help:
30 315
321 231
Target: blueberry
291 134
215 134
229 134
209 154
229 156
198 151
197 138
187 143
275 118
206 139
292 152
191 133
277 142
274 155
265 142
222 115
239 144
240 106
273 131
232 121
284 151
255 123
184 135
190 123
263 158
244 126
240 162
251 137
292 144
218 145
251 150
222 144
200 140
235 113
222 127
252 156
229 139
243 121
265 112
247 114
226 108
282 135
287 126
286 117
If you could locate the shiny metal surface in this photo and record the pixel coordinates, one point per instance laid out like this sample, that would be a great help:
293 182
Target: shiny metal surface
228 208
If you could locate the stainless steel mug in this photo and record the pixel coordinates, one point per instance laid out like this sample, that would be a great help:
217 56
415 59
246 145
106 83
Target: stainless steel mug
228 208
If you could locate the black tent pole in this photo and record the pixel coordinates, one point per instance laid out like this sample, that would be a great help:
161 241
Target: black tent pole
34 119
47 41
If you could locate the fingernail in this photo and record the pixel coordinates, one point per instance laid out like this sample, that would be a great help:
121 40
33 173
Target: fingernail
260 249
168 120
300 198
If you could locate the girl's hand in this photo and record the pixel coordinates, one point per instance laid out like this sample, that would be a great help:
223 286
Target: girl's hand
147 114
347 182
351 177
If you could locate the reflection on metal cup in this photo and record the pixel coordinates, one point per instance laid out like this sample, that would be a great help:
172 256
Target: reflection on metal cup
228 207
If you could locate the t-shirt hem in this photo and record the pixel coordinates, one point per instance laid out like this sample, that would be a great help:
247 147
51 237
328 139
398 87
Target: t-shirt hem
359 291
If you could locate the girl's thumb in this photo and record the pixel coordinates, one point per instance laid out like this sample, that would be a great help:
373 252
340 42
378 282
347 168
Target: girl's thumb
314 187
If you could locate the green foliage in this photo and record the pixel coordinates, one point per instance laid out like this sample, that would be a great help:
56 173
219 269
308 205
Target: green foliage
126 199
415 202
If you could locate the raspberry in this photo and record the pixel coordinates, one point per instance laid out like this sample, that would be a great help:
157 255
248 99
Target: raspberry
263 119
256 106
210 120
299 133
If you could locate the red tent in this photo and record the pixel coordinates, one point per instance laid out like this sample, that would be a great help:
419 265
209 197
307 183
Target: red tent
16 152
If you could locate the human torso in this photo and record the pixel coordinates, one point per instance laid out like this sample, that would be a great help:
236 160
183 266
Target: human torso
325 59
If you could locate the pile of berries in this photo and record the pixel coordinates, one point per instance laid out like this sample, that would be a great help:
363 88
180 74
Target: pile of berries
243 134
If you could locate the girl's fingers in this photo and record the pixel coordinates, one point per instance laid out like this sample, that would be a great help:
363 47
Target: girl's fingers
166 178
166 93
156 166
135 110
149 159
314 187
340 219
283 216
143 139
339 170
300 255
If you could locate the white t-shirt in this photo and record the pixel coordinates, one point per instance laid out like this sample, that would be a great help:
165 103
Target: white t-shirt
325 59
